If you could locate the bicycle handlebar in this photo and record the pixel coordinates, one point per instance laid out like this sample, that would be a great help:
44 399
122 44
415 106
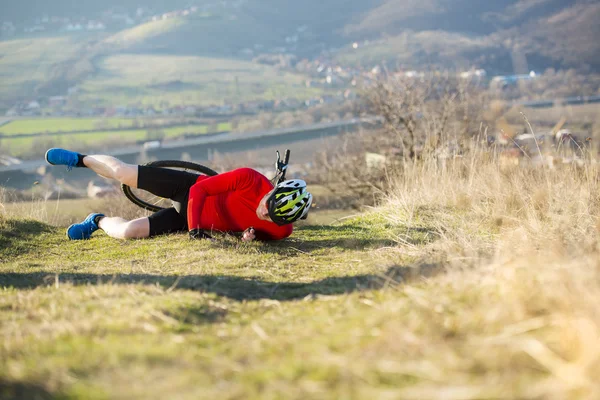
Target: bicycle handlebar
281 167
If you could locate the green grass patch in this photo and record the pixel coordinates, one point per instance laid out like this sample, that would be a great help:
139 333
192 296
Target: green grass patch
35 145
51 125
224 126
32 146
318 315
171 307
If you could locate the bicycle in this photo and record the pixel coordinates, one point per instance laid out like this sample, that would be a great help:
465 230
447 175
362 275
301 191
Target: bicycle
155 203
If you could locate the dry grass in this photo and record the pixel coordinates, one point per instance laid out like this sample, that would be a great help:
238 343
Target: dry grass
469 282
520 299
479 206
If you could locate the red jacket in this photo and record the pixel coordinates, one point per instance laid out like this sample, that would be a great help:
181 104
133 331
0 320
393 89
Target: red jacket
228 203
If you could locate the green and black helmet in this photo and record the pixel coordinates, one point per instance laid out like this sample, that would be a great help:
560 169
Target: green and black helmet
289 202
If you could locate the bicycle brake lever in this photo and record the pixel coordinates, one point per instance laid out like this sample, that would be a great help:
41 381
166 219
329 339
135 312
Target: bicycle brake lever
280 165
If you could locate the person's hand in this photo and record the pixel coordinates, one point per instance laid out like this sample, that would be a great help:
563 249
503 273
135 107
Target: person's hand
199 234
248 235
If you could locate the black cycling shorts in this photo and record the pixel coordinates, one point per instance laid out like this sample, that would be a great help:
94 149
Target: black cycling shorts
171 184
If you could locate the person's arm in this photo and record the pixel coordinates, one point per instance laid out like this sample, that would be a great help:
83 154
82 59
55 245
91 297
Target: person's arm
238 179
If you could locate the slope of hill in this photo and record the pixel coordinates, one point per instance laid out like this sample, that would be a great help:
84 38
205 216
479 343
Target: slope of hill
413 33
491 291
547 32
28 66
414 50
129 38
395 16
146 64
569 36
467 16
186 80
208 35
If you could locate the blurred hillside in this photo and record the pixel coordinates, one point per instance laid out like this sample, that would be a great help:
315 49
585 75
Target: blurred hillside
530 34
48 48
556 31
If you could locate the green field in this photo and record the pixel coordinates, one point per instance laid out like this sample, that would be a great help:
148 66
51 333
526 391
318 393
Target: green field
198 337
33 146
49 125
75 125
154 80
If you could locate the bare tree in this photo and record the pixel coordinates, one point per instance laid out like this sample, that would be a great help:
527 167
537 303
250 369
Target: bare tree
423 113
426 116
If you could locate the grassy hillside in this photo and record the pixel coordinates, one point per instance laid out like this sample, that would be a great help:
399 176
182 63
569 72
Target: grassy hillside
427 48
489 291
27 65
129 38
43 67
466 16
199 34
49 66
549 32
152 79
568 35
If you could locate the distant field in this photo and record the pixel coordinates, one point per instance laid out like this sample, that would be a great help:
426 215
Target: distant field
33 146
50 125
156 80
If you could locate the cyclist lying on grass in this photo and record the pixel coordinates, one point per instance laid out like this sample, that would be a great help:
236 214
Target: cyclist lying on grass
240 201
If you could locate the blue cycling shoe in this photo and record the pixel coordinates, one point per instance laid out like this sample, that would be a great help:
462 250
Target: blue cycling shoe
62 157
84 230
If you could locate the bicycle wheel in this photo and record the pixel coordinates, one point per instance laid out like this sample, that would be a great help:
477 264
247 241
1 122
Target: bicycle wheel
155 203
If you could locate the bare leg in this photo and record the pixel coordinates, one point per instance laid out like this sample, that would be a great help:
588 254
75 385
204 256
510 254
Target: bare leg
120 228
113 168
